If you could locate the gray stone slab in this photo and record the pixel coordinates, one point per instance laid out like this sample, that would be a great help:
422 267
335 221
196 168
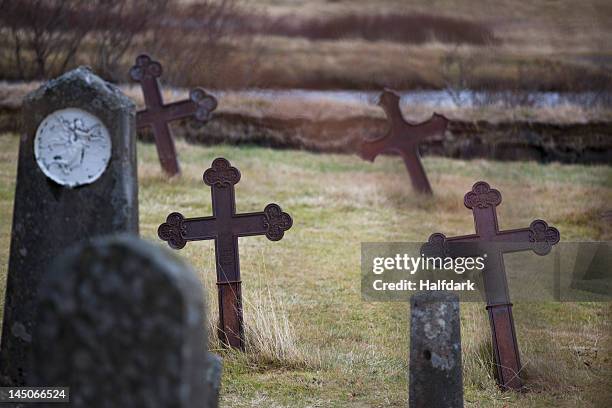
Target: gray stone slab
435 377
122 322
48 217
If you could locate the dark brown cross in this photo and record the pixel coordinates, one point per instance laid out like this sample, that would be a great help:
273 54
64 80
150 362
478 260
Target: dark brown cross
404 138
225 226
538 237
158 114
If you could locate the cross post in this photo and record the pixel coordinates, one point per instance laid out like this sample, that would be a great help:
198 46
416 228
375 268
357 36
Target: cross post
158 114
225 227
538 237
404 138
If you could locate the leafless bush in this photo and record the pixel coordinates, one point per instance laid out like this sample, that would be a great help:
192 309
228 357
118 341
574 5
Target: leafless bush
43 38
598 86
518 94
589 87
117 27
44 34
201 38
456 71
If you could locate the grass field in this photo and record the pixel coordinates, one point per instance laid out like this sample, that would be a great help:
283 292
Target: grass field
313 341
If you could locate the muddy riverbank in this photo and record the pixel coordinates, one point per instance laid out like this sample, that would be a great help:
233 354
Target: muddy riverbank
240 120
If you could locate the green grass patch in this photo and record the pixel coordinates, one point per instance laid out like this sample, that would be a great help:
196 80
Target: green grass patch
338 350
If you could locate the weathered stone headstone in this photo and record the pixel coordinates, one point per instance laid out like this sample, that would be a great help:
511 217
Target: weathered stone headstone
436 379
122 323
225 227
493 242
404 138
76 179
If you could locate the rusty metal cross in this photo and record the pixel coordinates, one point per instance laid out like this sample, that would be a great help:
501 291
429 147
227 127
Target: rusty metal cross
538 237
158 114
225 226
404 138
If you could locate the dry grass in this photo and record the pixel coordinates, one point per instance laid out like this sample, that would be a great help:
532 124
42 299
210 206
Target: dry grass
563 45
270 337
314 342
541 45
392 26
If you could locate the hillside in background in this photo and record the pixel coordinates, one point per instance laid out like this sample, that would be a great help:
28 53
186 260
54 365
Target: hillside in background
526 45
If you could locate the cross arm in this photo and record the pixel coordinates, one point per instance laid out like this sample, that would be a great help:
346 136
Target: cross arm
272 222
372 148
177 230
166 113
200 104
439 245
403 136
538 237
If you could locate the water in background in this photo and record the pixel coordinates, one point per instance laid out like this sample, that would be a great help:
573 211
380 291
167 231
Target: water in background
441 98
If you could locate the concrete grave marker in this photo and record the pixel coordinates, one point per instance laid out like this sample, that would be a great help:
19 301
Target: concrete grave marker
436 379
122 323
76 179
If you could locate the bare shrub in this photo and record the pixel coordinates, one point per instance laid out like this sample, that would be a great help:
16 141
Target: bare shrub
44 36
457 68
579 85
458 71
117 25
202 37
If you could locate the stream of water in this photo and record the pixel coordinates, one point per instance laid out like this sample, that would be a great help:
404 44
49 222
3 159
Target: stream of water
441 98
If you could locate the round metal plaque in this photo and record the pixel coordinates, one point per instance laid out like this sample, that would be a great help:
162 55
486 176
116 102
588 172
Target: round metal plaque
72 147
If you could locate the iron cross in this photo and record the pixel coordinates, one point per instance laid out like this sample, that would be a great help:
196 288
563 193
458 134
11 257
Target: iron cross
404 138
158 114
538 237
225 226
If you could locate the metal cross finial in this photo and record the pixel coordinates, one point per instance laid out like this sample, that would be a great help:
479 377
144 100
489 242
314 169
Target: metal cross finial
538 237
225 227
158 114
404 138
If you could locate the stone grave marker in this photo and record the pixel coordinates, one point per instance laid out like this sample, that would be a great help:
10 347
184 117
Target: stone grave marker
76 179
158 114
225 227
538 237
122 323
404 138
435 377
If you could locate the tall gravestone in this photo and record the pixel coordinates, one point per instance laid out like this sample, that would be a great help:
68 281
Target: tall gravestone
436 379
76 179
122 323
